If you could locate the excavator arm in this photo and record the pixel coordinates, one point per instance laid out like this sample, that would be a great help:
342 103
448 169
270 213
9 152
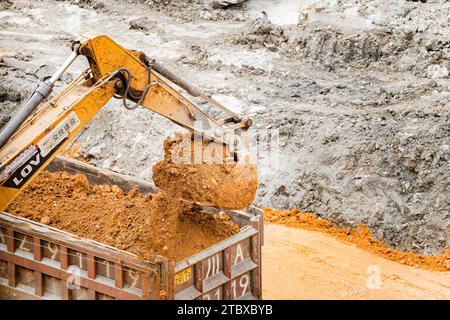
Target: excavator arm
33 137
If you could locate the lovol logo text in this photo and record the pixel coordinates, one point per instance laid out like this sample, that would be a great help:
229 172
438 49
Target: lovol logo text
34 162
22 174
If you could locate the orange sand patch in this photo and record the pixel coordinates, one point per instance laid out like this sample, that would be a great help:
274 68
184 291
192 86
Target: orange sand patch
360 236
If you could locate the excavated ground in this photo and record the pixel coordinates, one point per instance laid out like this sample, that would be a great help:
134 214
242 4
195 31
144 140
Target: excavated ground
141 224
298 263
357 93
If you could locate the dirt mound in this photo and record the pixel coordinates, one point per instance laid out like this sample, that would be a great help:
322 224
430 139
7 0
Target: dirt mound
361 236
261 34
142 224
223 185
318 265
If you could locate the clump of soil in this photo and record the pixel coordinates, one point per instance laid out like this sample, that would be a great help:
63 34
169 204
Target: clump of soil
261 34
225 184
361 236
141 224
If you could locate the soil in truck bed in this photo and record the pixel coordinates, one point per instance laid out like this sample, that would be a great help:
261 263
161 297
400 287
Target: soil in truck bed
141 224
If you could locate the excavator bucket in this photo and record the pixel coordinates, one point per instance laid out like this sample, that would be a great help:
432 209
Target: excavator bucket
205 172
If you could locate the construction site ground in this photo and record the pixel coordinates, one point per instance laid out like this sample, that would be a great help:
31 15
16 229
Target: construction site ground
356 92
303 264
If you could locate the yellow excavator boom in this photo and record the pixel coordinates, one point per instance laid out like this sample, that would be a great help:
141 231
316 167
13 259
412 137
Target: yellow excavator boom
28 144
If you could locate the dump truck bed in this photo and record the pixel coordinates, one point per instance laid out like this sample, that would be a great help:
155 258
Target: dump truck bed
42 262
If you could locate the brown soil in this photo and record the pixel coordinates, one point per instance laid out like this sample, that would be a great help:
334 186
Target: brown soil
361 236
226 185
142 224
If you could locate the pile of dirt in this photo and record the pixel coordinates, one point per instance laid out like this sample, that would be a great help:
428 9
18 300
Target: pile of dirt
145 225
226 185
361 236
360 34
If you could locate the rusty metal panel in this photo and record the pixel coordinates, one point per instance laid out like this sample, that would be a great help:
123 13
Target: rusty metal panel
41 262
3 270
52 287
67 266
227 270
